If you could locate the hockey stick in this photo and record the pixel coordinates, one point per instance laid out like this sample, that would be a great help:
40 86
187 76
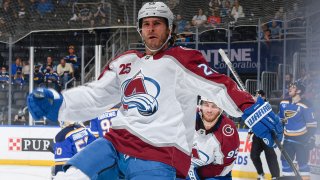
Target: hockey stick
235 74
274 135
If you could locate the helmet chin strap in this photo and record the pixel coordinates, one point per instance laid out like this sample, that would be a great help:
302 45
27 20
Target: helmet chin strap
155 50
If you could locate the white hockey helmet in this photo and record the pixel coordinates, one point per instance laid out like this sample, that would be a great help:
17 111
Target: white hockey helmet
155 9
201 99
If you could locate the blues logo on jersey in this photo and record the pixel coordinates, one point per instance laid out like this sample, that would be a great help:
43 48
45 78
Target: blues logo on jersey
140 92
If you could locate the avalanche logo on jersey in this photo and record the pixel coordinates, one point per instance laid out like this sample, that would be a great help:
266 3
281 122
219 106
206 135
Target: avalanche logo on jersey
199 157
140 92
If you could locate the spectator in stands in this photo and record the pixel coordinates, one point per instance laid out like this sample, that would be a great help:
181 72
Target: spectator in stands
275 30
215 19
48 63
279 14
22 10
16 66
288 79
73 60
18 78
184 37
200 19
65 71
72 57
32 8
214 5
267 37
172 3
20 118
44 7
38 76
4 77
258 146
52 79
295 12
304 76
26 70
237 11
8 13
182 24
99 15
264 27
226 9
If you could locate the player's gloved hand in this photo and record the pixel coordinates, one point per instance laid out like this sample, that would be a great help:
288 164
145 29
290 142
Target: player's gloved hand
192 173
71 174
44 102
263 122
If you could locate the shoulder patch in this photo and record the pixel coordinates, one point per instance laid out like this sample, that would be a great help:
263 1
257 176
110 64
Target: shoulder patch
302 104
284 102
228 130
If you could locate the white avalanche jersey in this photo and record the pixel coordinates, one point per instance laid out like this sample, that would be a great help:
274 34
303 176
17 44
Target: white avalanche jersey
158 95
215 150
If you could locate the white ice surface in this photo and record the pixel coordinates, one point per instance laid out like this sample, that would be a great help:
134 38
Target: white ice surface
25 172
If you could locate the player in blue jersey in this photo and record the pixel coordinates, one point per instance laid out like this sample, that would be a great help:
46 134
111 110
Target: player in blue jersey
299 129
68 142
101 124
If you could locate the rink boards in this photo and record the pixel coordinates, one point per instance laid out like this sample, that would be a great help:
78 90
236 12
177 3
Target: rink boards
30 146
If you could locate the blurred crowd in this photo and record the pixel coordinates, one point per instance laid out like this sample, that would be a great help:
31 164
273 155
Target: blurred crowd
48 73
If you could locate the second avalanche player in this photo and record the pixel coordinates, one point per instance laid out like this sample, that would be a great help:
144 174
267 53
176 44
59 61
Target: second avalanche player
216 143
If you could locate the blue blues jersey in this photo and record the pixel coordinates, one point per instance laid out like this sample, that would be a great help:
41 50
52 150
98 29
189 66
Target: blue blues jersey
73 59
68 142
102 124
51 78
299 117
18 80
38 78
4 77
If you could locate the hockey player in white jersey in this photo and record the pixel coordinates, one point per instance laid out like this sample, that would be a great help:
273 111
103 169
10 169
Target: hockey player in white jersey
152 135
216 144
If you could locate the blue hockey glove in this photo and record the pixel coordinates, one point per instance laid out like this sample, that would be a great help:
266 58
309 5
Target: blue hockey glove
44 102
263 122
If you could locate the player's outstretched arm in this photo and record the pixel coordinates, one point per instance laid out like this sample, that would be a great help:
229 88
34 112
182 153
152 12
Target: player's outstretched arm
43 102
263 121
259 116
